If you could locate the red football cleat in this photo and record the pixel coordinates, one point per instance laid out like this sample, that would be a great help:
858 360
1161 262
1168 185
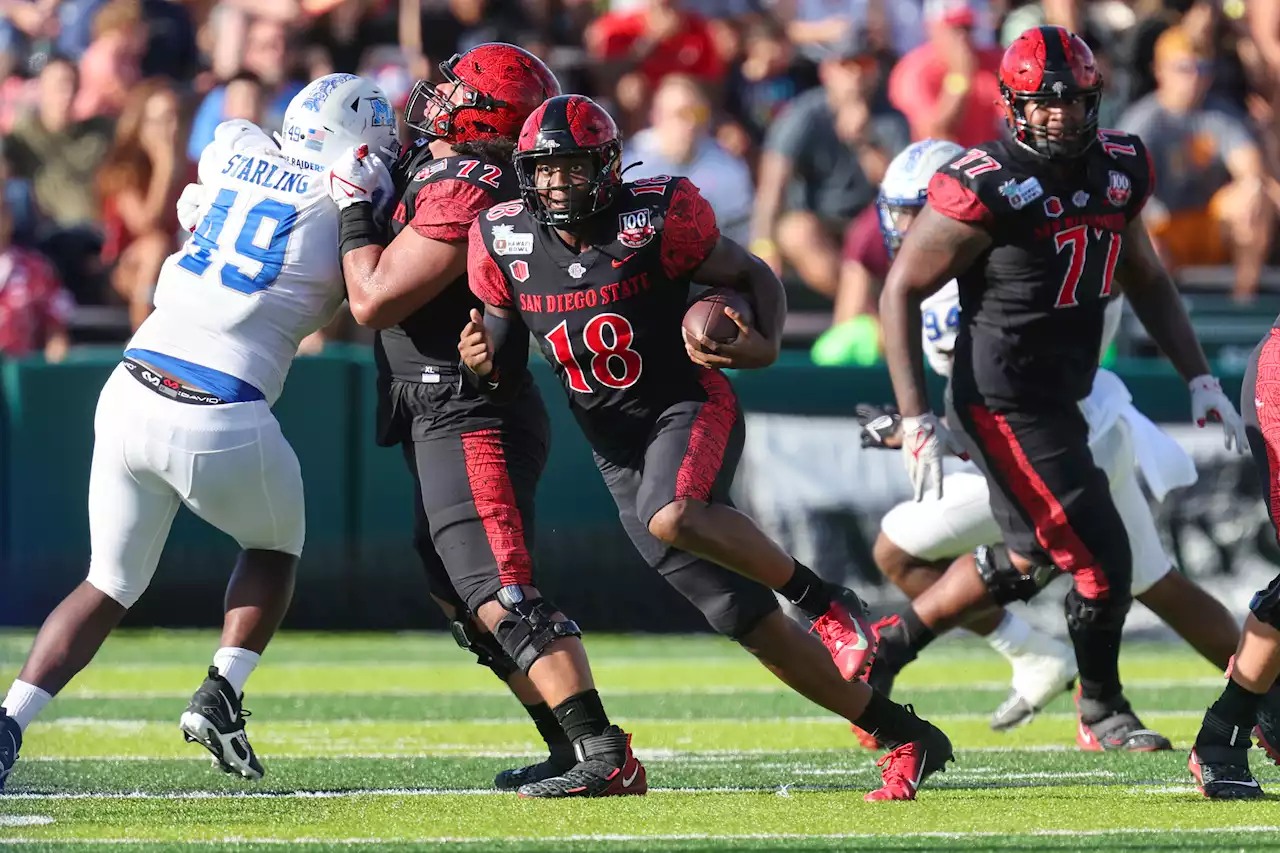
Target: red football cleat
905 768
846 632
865 738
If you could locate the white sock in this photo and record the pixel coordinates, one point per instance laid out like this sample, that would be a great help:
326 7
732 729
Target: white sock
1011 636
24 702
236 665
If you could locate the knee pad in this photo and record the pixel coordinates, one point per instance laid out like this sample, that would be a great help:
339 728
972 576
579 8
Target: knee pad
1004 580
1265 605
488 651
1102 613
736 616
527 629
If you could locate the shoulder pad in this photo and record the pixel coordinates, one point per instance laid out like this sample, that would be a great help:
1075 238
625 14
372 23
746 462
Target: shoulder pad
241 135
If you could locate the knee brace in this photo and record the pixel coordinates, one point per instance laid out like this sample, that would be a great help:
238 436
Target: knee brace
488 651
1265 605
1102 613
1004 580
527 629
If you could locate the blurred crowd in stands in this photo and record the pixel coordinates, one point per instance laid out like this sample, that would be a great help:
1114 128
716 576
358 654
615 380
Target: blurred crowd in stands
784 112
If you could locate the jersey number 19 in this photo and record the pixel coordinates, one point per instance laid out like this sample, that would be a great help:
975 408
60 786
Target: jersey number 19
270 257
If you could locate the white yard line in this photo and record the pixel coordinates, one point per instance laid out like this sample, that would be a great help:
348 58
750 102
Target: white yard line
762 836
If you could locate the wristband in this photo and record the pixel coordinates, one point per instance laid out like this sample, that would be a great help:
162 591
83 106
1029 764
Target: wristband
356 228
955 83
763 246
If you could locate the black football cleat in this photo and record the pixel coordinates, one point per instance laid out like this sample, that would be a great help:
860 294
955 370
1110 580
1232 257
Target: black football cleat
10 743
905 768
1222 772
215 720
1111 725
1267 731
597 773
559 761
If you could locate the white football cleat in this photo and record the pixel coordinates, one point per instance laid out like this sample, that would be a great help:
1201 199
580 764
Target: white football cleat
1044 669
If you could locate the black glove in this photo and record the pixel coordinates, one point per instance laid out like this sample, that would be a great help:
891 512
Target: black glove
878 423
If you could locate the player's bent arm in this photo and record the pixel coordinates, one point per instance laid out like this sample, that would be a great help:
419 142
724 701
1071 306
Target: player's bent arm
387 284
935 250
1155 299
730 265
508 351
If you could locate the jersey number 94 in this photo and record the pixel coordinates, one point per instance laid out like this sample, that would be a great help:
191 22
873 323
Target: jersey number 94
933 329
267 251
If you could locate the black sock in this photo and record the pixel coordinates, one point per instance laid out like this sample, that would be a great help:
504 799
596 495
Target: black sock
919 634
549 727
807 591
581 715
1098 659
1231 719
890 723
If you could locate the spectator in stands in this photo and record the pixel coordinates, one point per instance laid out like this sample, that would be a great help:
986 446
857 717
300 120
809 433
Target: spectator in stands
949 88
112 63
822 162
652 42
58 154
854 337
1210 206
267 55
815 26
34 306
243 98
770 76
139 186
679 142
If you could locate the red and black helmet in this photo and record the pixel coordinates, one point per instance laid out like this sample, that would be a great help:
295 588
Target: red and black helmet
501 85
570 127
1051 64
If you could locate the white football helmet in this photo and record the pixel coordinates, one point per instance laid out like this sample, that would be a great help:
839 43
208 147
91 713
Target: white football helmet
905 187
334 113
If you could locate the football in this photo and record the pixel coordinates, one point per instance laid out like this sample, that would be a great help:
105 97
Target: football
706 317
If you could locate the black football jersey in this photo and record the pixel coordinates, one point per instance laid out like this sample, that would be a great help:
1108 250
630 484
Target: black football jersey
439 199
1031 306
608 319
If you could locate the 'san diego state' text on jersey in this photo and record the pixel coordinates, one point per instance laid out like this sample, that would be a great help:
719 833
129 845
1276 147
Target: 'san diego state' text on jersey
439 199
1032 305
608 320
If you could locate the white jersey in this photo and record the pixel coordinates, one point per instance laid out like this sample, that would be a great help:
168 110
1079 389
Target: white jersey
260 272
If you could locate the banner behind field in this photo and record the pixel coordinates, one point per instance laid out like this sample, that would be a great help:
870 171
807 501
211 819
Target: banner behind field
820 494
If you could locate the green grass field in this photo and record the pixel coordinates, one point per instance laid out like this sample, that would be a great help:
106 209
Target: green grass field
390 742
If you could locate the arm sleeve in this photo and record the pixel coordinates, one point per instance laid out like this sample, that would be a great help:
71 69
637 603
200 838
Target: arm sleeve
483 273
446 209
953 199
689 232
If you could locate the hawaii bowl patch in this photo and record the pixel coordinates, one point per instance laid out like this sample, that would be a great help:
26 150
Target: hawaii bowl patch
635 229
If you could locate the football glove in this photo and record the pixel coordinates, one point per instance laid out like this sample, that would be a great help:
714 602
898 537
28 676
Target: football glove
359 177
190 206
1208 402
925 440
878 423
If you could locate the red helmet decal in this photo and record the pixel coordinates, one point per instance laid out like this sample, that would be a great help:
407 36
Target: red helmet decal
1043 56
589 123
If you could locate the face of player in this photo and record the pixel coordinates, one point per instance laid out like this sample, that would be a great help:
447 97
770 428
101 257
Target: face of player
1063 120
447 92
895 221
562 181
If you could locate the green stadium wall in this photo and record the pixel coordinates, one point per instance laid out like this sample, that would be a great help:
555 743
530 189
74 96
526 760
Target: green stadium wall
359 569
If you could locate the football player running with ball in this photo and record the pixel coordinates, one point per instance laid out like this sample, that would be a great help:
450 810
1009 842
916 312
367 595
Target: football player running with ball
919 539
185 419
1040 233
475 461
599 269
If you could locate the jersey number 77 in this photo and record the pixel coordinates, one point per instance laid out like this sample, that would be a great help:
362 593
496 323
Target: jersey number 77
198 255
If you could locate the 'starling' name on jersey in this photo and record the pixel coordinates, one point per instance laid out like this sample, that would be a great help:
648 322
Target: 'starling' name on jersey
1032 305
607 319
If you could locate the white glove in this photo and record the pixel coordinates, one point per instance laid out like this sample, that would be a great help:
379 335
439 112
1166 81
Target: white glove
190 206
359 177
1208 401
925 440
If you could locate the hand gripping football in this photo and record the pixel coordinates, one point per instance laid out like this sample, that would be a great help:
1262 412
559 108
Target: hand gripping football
706 317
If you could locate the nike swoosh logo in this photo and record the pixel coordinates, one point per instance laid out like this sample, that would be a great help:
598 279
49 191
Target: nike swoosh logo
231 712
923 758
627 780
1236 782
618 263
862 638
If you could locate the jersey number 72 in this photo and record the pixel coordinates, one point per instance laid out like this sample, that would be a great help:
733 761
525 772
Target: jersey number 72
197 257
